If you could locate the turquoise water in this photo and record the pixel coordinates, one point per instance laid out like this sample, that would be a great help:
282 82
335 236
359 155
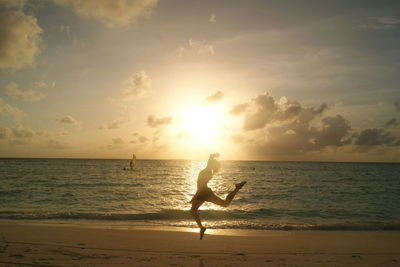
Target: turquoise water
278 195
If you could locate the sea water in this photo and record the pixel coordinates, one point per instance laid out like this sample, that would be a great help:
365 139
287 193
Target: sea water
278 195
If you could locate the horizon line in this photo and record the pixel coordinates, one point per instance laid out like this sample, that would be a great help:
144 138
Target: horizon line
249 160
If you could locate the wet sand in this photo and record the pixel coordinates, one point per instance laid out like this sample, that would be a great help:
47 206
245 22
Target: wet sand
33 244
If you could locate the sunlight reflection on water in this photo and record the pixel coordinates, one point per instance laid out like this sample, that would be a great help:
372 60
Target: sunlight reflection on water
278 194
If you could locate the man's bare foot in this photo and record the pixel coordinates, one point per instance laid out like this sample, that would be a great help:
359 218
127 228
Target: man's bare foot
202 230
240 185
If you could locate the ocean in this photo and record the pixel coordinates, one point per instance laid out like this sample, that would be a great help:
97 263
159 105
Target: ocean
278 195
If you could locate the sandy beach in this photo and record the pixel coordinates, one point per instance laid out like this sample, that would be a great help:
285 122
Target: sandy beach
33 244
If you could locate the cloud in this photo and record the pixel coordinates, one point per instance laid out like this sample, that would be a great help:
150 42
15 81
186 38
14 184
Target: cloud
20 132
55 144
115 124
381 23
376 137
143 139
25 95
155 122
397 104
4 132
20 36
298 136
215 97
282 129
306 133
139 138
136 86
19 4
335 131
18 142
68 120
17 135
263 109
113 13
392 122
8 110
238 109
117 141
213 18
196 47
237 138
201 47
44 85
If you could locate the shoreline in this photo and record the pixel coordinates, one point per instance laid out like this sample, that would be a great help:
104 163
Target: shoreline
139 226
38 244
223 226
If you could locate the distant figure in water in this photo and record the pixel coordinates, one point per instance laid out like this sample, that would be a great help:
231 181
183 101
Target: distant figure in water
204 193
132 164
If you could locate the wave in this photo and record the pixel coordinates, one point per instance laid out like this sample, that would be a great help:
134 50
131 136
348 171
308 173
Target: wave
215 219
166 214
305 227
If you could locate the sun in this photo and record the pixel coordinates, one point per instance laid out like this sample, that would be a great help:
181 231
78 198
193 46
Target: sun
203 124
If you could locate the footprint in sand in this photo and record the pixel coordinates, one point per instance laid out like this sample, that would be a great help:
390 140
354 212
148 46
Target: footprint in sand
4 248
17 256
240 254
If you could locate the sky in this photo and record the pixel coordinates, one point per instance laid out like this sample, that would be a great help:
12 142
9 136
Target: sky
180 79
